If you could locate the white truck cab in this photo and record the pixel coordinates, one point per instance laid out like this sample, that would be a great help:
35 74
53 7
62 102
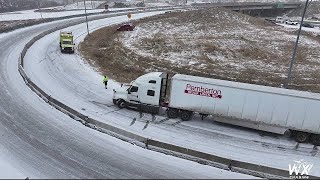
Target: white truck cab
144 91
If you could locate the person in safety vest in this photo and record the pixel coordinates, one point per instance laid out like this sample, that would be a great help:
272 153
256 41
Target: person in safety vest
105 81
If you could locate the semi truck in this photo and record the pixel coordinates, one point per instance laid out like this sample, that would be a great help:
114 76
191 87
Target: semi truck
264 108
66 42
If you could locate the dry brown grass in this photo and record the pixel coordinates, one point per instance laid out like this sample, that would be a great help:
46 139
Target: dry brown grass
253 53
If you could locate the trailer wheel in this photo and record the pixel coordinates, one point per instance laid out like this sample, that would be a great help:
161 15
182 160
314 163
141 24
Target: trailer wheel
315 139
172 113
186 115
301 137
122 104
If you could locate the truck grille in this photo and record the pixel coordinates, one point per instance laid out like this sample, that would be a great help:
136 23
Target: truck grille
68 49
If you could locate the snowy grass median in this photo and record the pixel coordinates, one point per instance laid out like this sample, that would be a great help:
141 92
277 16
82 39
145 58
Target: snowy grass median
215 43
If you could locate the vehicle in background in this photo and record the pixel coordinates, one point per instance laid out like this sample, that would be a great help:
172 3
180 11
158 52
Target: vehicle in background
280 19
271 20
290 22
308 25
66 42
126 27
271 109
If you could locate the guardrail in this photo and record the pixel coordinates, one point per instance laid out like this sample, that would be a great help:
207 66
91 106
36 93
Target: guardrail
178 151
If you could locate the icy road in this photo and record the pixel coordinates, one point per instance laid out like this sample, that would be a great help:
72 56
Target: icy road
70 80
37 141
31 14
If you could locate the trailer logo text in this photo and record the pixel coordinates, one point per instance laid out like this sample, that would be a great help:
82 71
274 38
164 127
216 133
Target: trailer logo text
300 170
201 91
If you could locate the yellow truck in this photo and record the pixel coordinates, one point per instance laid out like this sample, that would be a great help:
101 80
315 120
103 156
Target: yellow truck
66 42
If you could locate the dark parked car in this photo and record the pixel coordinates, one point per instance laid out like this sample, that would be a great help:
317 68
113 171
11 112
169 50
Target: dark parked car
126 27
307 25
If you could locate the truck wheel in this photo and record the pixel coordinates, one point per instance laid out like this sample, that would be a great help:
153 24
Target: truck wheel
114 101
315 139
172 113
122 104
301 137
186 115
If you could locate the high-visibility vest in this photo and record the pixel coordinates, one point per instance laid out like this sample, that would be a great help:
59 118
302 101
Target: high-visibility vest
105 79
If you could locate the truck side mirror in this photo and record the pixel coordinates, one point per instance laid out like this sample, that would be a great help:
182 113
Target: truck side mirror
128 91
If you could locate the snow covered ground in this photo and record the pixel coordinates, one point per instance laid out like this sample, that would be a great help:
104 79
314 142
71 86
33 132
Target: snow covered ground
67 10
31 14
157 4
9 168
315 30
223 44
69 79
37 141
79 5
134 42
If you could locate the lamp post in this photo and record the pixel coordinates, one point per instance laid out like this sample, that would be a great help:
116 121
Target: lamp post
295 47
85 10
39 7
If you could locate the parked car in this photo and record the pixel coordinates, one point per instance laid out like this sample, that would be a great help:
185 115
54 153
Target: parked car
307 25
271 21
280 20
290 22
126 27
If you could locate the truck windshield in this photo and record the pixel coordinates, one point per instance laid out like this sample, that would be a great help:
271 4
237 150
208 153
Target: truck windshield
67 42
133 89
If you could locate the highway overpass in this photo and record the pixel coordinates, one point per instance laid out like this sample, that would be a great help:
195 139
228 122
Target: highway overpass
255 8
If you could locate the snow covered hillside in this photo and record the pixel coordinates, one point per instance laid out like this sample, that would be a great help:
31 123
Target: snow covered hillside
215 43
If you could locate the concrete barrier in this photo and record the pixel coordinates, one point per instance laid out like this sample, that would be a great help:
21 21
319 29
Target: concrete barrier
178 151
189 152
117 130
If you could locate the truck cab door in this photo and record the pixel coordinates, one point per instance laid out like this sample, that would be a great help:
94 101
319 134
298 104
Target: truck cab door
133 94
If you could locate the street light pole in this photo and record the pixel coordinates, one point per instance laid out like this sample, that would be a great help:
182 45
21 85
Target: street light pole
295 47
40 9
85 10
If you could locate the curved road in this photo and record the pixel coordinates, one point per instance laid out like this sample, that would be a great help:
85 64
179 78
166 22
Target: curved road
40 142
69 79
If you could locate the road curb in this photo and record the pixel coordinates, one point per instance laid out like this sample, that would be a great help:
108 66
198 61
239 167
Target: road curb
170 149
